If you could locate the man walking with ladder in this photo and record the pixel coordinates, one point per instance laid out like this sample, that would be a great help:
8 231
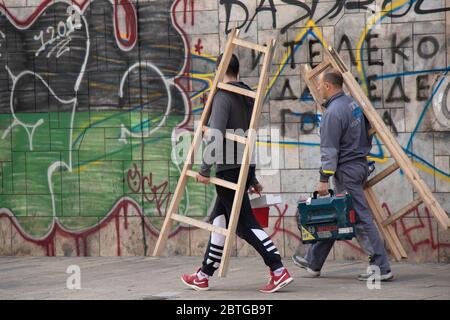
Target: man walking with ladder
344 147
232 111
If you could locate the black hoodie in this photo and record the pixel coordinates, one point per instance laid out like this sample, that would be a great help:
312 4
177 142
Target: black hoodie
229 111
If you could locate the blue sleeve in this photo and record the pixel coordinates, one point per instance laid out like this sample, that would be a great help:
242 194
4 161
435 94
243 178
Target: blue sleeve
330 136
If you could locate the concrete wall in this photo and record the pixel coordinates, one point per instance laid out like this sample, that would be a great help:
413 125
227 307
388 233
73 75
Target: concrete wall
91 97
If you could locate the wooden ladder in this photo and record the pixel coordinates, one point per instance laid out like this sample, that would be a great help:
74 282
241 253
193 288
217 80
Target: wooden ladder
401 160
248 141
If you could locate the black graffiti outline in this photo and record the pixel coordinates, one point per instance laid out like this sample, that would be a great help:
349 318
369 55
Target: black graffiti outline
311 9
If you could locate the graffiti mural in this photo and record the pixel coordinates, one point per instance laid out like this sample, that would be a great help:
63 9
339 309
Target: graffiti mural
94 95
84 103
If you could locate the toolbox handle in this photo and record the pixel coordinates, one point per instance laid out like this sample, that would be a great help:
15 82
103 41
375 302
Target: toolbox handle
316 193
329 218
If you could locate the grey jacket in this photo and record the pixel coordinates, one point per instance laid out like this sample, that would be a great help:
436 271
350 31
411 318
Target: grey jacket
230 111
343 134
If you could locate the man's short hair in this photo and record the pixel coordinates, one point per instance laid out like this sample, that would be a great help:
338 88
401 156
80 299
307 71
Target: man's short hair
233 67
334 77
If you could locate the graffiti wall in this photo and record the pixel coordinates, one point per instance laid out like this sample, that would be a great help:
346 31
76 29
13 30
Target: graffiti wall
94 94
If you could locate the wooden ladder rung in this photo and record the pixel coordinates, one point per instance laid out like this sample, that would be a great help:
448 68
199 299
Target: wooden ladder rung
214 180
249 45
200 224
337 59
405 210
231 136
318 69
383 174
238 90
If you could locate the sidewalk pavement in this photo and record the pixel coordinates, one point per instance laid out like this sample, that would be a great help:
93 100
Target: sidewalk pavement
151 278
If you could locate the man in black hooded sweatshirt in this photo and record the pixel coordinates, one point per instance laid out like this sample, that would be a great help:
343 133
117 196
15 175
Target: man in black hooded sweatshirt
231 111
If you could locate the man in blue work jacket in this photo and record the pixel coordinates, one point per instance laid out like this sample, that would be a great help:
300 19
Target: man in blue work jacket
344 146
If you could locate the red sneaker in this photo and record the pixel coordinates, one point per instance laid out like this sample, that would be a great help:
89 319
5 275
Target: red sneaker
276 283
194 282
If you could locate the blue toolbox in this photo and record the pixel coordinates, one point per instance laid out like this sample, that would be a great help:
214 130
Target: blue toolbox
328 218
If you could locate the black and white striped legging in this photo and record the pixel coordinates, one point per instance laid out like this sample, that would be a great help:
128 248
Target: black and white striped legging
248 228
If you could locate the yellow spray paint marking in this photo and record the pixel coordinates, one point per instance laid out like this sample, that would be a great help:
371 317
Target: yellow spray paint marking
202 76
291 146
204 55
379 160
85 167
431 171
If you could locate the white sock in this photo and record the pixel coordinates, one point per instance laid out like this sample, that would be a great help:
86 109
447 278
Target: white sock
201 275
279 271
